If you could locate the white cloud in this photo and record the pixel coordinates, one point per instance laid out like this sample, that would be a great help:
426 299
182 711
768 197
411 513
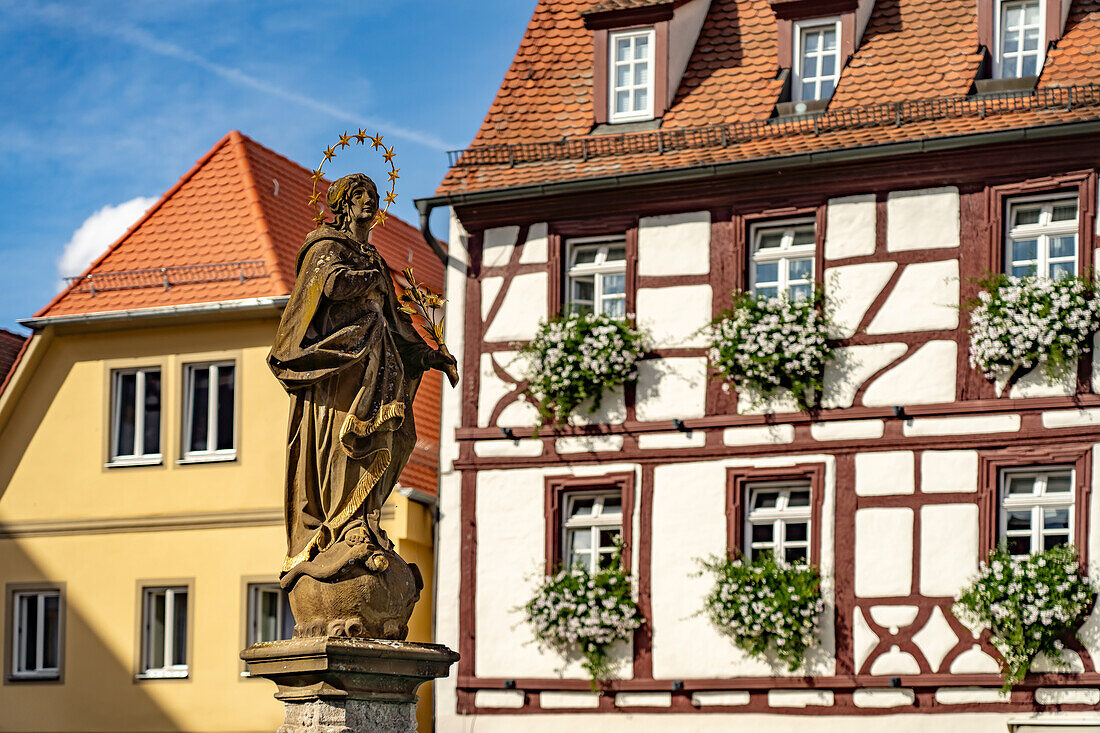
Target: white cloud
98 232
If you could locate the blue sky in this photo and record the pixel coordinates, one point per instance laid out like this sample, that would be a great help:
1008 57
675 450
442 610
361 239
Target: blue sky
107 103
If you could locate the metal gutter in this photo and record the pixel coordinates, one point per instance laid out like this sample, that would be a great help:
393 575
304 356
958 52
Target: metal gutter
142 314
716 170
421 497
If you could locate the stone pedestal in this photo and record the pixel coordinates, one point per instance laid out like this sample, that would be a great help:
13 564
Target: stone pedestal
348 685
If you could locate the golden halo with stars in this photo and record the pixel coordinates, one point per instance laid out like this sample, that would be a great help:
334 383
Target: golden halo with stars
346 140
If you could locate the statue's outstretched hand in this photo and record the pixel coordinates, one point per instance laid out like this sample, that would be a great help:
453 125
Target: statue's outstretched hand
444 362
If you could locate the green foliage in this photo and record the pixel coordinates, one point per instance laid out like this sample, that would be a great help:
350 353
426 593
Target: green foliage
577 357
1029 604
766 606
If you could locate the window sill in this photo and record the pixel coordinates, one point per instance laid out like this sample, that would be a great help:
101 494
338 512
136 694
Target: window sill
618 128
156 460
990 87
33 677
207 458
787 111
163 674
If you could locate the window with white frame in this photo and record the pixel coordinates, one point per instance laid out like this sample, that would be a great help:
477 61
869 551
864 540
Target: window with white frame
1020 35
596 278
208 430
135 416
269 614
782 260
1036 509
777 520
631 70
817 60
1041 237
164 632
36 628
592 529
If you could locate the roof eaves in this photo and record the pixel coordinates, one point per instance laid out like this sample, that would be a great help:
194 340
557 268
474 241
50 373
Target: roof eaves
192 309
270 257
137 224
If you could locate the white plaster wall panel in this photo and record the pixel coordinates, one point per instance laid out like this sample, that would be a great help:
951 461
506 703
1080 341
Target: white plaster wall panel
759 435
750 402
864 639
525 448
847 430
722 698
884 473
970 695
658 441
851 289
964 425
678 244
589 443
1096 348
925 298
1071 418
895 661
853 366
850 227
519 414
566 700
1067 695
925 377
1089 633
974 661
674 315
643 699
490 287
948 547
536 249
612 410
894 617
947 471
1070 662
492 389
935 639
671 388
523 307
498 699
800 698
882 698
1036 383
685 644
926 218
497 246
884 552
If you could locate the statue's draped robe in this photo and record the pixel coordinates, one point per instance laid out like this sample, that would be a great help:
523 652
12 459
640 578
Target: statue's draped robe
352 362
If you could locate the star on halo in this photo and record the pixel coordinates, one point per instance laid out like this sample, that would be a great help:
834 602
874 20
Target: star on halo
361 135
388 154
345 139
330 153
376 141
390 197
393 174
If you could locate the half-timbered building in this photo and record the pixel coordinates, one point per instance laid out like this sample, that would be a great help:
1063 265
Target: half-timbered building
646 159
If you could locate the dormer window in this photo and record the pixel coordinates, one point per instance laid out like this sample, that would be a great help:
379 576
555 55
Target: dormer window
631 66
1020 34
817 62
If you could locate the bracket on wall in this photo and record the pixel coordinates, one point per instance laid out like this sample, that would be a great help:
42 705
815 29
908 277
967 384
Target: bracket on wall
509 434
679 425
899 412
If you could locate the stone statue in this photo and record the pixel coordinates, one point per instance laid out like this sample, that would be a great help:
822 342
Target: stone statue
347 353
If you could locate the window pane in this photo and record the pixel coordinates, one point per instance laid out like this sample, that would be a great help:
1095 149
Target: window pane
585 255
641 47
1058 483
151 431
582 507
612 506
608 539
1024 249
1019 545
157 625
827 87
1056 519
1028 215
767 272
1064 211
30 631
799 498
797 531
200 409
622 49
580 540
809 67
799 292
830 40
1011 42
641 99
1031 13
1019 520
765 499
179 619
287 630
801 269
225 407
616 254
614 308
584 289
803 235
127 418
622 101
828 65
795 554
622 76
1022 270
1021 484
1063 246
268 611
641 74
762 532
1031 40
1028 65
1059 270
52 630
809 42
1052 541
767 292
767 240
614 284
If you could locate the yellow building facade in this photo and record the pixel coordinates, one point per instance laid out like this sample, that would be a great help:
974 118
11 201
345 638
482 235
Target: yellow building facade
132 578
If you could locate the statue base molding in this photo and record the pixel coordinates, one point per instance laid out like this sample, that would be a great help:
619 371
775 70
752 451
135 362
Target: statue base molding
347 685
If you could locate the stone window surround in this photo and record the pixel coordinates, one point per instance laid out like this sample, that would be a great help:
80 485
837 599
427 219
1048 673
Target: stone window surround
556 488
558 235
141 585
738 481
10 589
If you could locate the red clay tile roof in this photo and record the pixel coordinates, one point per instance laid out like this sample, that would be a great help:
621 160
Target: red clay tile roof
10 346
242 207
912 51
609 5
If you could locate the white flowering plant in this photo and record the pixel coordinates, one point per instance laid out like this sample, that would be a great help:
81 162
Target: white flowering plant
767 345
578 612
766 605
1029 604
577 357
1018 323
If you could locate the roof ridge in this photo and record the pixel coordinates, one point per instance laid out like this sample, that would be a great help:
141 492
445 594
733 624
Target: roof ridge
240 146
199 164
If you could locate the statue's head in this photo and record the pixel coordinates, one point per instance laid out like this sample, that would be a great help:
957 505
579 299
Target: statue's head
353 201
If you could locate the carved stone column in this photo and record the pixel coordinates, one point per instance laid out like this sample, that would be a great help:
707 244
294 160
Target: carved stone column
348 685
